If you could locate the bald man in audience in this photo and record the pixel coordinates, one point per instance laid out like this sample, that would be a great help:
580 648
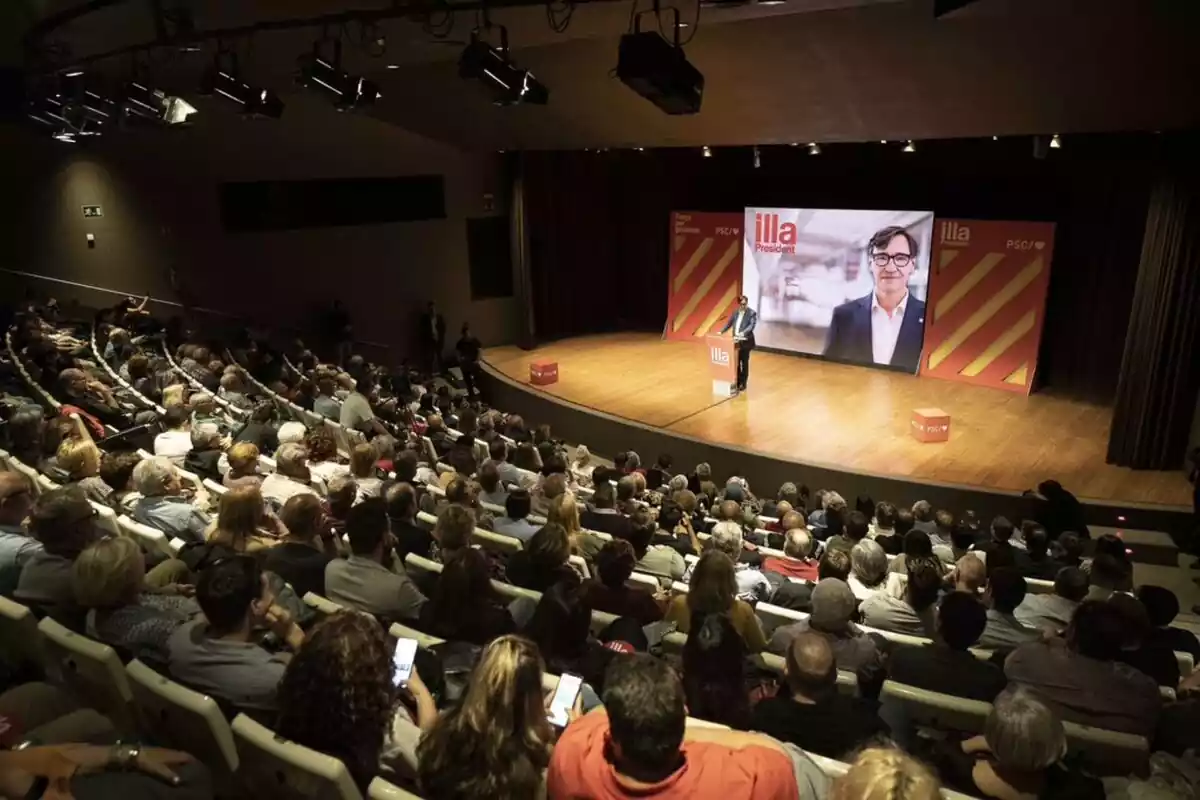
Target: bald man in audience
797 547
833 609
969 575
811 713
791 520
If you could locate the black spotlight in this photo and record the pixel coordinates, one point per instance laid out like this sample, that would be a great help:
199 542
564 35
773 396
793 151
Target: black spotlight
222 79
506 83
142 102
347 91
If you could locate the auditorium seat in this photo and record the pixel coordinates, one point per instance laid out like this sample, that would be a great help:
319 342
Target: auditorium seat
847 682
106 519
172 715
382 790
20 639
152 540
423 640
273 767
322 605
214 487
35 478
90 669
642 579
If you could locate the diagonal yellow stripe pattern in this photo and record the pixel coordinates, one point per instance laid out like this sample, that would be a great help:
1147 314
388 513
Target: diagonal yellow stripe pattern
965 284
679 240
1019 375
692 263
717 312
1004 341
705 285
945 258
985 312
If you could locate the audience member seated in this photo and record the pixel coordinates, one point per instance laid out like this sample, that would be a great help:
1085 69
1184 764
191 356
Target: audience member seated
856 528
1107 574
109 579
356 413
969 575
291 476
491 490
233 389
638 746
603 516
833 611
514 523
497 741
942 537
714 681
608 592
1035 560
713 590
1053 612
162 505
1068 550
911 609
751 583
564 511
1163 606
80 460
16 546
923 520
1154 658
302 555
916 545
809 711
797 547
362 469
797 595
463 605
868 568
338 697
453 531
91 397
324 403
261 432
999 551
341 495
544 561
401 501
365 581
885 773
560 627
946 665
1082 678
323 464
219 654
63 521
660 560
175 442
1018 755
205 456
581 466
1006 590
243 467
498 456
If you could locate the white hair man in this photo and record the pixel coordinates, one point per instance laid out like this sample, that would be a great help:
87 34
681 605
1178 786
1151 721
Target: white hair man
868 569
292 433
797 561
816 520
291 476
163 506
751 583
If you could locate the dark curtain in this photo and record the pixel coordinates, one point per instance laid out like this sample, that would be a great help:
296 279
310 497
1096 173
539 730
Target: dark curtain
518 242
1160 369
598 225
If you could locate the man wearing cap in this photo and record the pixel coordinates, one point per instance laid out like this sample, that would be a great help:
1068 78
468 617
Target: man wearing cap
833 605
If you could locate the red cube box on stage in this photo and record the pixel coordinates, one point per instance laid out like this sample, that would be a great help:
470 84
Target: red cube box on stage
543 373
930 425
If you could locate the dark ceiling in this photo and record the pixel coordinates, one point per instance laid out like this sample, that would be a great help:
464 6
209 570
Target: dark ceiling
808 70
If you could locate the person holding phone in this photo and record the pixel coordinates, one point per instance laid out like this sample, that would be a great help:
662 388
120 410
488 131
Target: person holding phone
354 694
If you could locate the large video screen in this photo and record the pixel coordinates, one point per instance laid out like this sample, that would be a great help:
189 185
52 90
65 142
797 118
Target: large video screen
848 285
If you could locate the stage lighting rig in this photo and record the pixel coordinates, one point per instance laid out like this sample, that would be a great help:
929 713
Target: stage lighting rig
658 70
222 78
140 101
72 107
348 92
507 83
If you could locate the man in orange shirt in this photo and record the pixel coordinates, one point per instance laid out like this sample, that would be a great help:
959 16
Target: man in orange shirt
637 746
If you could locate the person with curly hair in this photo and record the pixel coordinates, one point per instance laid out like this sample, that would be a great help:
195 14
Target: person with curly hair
885 773
497 741
338 697
323 456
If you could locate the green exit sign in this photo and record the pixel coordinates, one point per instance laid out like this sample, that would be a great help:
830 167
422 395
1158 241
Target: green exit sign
93 211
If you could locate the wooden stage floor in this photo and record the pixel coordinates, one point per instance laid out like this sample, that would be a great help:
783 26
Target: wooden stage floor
852 418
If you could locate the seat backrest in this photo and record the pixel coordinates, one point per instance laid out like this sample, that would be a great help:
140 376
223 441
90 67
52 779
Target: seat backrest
272 767
495 542
642 579
1104 752
92 670
600 621
424 640
152 540
416 563
322 605
772 616
106 519
175 716
382 790
20 639
1038 586
214 487
936 710
847 682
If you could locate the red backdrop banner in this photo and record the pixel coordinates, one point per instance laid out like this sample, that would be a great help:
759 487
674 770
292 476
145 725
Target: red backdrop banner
987 302
705 272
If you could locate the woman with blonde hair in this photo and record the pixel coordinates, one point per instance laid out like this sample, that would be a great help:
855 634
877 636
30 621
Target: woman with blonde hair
497 741
544 561
109 579
362 469
713 590
243 466
564 510
885 773
244 524
582 466
80 460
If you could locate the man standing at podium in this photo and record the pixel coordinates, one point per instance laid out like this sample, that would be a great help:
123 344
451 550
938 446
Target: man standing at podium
742 321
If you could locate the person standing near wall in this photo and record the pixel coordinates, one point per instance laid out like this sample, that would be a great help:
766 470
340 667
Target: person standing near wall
468 348
432 336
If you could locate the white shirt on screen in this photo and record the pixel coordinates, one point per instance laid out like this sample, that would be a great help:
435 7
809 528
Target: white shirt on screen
885 329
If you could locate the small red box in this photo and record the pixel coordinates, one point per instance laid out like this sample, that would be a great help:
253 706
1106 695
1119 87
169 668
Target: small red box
543 373
930 425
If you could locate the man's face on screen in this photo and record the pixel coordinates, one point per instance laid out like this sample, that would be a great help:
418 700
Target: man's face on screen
892 266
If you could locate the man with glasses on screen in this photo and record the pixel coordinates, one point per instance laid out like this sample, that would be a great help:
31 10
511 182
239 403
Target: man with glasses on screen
886 326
